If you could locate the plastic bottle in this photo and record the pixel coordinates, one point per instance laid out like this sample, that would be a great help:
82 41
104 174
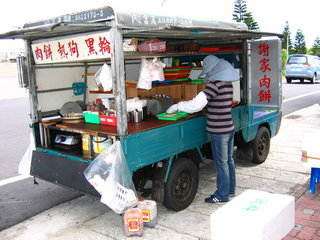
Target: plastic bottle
85 145
100 144
133 222
149 212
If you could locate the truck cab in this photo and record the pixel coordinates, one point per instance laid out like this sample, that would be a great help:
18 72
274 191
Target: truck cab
64 53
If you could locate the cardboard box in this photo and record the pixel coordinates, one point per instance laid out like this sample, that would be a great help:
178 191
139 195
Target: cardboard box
254 215
190 91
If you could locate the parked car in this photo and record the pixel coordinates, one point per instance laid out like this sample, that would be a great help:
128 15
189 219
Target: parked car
301 67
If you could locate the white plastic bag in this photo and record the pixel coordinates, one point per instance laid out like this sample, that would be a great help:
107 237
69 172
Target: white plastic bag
144 81
150 70
104 77
110 175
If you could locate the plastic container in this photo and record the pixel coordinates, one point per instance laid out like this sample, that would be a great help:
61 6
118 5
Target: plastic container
90 117
149 212
85 144
108 120
172 116
133 222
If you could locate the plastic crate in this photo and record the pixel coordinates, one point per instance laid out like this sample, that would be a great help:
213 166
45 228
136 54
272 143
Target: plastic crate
91 118
108 120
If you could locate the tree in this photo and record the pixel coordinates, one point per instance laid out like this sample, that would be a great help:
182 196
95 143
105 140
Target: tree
286 42
284 57
300 43
315 50
241 15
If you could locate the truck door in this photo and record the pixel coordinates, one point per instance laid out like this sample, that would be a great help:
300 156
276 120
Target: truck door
264 83
263 92
264 73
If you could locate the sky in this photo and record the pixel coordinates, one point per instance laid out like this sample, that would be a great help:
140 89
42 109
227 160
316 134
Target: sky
271 15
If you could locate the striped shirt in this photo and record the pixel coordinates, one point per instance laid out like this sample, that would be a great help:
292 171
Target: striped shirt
219 95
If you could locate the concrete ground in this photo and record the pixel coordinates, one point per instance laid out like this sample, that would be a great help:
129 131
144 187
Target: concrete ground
283 173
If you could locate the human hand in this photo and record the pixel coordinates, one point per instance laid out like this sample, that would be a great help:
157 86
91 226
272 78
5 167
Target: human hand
172 109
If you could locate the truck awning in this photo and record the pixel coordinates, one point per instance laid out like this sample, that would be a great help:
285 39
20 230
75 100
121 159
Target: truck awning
134 24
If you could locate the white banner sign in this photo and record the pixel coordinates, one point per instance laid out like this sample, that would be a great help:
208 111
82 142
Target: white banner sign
77 48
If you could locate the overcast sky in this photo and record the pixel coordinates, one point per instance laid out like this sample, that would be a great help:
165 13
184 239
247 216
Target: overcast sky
271 15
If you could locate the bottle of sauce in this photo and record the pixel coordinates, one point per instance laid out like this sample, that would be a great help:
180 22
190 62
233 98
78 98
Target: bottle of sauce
149 212
133 222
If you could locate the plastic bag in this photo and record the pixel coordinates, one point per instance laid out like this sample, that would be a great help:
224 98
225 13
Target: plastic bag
150 70
110 175
144 81
98 171
104 77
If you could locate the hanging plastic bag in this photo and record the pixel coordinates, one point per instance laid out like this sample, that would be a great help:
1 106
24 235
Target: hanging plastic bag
144 81
104 77
98 171
110 175
150 70
156 70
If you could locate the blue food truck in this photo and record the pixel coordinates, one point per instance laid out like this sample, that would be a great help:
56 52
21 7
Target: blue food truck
63 55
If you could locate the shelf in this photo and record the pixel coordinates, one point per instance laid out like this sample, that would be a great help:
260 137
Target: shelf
101 92
141 55
134 85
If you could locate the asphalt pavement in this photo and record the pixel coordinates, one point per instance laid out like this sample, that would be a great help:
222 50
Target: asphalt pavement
282 173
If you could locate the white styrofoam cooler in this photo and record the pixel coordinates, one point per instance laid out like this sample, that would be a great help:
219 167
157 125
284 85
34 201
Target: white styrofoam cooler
254 215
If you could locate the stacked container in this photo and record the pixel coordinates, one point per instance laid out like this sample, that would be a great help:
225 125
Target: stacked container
149 212
133 222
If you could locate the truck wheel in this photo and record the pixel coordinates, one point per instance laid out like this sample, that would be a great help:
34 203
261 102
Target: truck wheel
289 80
261 145
182 184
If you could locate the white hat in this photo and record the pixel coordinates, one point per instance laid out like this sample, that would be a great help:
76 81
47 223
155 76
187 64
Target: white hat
223 71
208 64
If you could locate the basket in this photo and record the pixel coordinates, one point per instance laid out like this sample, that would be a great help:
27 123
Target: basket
108 120
118 197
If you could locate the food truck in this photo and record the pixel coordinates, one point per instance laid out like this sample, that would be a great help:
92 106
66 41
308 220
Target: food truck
64 55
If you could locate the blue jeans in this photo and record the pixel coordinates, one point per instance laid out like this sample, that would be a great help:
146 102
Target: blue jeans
222 149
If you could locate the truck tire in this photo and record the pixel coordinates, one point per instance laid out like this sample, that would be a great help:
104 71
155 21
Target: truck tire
182 184
289 80
261 145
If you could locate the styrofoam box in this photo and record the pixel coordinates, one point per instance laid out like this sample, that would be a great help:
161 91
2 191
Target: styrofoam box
254 215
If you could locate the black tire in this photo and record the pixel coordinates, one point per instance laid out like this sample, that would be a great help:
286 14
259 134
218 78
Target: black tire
261 145
289 80
301 80
182 184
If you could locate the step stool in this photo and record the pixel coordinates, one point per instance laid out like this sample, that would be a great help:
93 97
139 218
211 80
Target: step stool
254 215
314 179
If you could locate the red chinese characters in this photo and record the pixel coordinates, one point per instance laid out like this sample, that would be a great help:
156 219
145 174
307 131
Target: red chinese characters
90 45
104 45
44 53
75 48
265 93
62 50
